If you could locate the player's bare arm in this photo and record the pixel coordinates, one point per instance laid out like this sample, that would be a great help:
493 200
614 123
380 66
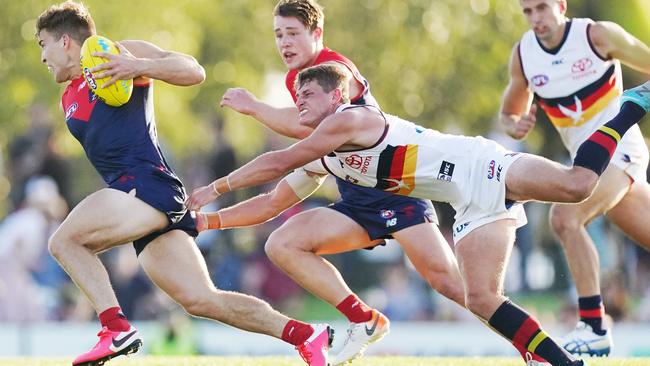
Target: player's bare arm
335 131
281 120
291 190
517 111
141 60
612 41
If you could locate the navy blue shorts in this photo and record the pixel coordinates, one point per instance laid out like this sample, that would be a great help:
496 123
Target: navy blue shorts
163 192
385 217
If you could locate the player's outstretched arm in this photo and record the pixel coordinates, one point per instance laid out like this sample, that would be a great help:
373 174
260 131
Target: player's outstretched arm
281 120
333 132
292 189
517 113
143 60
612 41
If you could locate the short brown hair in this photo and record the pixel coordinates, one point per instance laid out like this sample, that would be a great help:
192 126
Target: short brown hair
68 18
308 12
329 77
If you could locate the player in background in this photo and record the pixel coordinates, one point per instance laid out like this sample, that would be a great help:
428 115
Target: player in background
482 181
363 217
571 69
144 200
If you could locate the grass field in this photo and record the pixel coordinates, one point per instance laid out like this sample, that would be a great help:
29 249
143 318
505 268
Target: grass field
293 361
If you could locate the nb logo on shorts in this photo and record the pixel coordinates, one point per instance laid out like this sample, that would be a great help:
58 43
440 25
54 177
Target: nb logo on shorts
392 222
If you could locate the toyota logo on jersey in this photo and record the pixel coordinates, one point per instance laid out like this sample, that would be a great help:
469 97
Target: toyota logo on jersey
353 161
581 65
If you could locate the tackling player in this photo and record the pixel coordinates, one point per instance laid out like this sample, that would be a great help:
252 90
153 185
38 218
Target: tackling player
363 216
482 181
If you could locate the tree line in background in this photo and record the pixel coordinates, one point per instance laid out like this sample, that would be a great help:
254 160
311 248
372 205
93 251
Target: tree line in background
441 63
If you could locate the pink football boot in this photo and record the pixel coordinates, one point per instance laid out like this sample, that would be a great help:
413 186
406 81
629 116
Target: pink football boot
111 344
315 349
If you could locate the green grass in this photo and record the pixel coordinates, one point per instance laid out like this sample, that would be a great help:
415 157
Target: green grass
294 361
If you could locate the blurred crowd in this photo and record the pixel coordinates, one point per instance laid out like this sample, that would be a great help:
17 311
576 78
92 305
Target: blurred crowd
44 187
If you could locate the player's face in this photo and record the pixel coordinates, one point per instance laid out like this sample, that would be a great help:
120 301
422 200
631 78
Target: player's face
54 55
545 17
298 46
314 104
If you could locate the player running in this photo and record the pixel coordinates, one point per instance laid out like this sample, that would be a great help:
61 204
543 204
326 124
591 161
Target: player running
482 181
143 202
571 67
363 217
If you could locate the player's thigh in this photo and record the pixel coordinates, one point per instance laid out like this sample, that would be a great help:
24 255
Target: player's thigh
176 266
632 212
110 217
612 187
323 231
533 177
483 255
425 246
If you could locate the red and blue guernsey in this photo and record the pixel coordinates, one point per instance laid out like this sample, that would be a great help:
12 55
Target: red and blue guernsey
327 55
122 144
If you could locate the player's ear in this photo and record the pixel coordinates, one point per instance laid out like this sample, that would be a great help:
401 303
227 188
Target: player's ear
318 34
65 38
337 95
563 6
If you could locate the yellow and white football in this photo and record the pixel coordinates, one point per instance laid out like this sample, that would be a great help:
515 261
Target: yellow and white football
114 95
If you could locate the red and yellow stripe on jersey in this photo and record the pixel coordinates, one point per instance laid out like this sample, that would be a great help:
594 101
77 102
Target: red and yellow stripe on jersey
585 103
396 169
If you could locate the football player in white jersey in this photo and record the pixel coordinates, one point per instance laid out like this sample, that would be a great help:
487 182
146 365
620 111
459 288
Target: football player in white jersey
362 218
482 181
571 68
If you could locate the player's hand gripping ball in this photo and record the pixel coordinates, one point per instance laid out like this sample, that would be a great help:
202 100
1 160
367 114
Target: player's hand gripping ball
114 95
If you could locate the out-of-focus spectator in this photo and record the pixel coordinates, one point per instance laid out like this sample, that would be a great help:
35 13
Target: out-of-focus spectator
35 153
23 247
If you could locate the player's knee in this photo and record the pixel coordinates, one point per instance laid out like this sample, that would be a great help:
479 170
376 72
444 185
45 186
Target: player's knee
563 220
274 247
58 244
55 246
451 288
580 185
278 246
195 303
478 302
440 279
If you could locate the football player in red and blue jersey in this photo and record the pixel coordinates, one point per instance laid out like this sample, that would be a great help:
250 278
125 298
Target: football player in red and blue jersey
362 218
143 202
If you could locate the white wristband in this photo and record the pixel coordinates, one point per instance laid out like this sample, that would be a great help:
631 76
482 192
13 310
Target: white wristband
228 182
214 188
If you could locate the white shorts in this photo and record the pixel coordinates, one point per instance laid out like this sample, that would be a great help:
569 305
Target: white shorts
631 155
487 201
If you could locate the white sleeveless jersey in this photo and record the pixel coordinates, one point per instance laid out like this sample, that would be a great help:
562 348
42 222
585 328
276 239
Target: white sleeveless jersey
576 87
411 160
